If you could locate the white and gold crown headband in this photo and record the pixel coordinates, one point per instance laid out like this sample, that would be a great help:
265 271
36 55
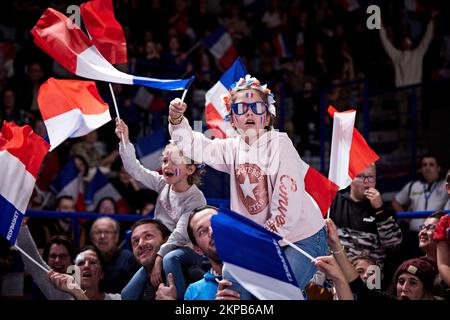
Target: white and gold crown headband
248 82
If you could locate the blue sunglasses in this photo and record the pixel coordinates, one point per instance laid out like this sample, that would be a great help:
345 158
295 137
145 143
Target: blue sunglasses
241 108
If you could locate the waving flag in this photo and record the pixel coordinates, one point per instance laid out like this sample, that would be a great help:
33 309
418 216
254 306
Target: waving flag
65 42
71 108
99 188
149 150
21 155
320 191
106 32
69 182
214 111
350 153
254 257
221 46
281 48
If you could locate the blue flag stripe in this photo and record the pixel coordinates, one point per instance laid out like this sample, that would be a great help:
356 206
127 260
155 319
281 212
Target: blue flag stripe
97 182
150 144
239 242
176 84
10 220
66 175
233 74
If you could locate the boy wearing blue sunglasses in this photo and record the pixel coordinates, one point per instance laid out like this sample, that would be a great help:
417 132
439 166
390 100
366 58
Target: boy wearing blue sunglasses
266 172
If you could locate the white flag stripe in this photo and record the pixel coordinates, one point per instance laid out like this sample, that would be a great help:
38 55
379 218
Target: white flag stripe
221 46
92 65
273 289
341 143
65 125
17 183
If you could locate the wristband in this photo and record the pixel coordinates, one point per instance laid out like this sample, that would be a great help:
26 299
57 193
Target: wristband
176 120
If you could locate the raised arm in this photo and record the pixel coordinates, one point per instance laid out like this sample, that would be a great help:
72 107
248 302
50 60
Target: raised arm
149 178
392 52
217 153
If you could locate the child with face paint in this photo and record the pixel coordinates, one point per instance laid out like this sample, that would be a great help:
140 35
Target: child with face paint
178 197
266 172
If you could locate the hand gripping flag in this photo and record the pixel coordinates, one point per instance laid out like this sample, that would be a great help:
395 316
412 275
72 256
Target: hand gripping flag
350 153
100 187
21 155
65 42
107 34
254 257
215 113
71 108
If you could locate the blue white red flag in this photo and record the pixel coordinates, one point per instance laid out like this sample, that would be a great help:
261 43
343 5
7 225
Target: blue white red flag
221 46
215 112
149 149
69 182
254 257
65 42
100 187
21 155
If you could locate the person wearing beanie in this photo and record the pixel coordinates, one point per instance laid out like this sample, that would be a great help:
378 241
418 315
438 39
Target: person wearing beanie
414 280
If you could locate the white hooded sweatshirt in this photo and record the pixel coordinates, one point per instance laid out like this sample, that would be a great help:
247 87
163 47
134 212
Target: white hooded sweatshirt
266 178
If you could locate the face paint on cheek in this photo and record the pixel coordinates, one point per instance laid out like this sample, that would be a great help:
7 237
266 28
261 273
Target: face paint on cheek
249 94
177 172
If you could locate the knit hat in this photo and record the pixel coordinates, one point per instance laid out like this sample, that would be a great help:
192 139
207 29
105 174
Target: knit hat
421 268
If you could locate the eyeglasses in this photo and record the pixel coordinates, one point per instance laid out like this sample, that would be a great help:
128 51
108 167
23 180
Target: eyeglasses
362 178
241 108
427 227
106 233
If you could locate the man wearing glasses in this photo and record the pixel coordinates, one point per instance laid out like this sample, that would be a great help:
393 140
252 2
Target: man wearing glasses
120 264
365 225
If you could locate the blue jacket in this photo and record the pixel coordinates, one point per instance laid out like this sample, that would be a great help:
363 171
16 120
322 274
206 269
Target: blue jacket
204 289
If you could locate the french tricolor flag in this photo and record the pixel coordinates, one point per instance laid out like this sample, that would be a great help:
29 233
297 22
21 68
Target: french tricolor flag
100 187
149 149
281 47
350 153
69 182
21 155
221 46
215 113
71 108
254 257
65 42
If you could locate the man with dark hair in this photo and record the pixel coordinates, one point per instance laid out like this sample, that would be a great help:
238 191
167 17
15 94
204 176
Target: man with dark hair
120 264
200 233
147 236
425 194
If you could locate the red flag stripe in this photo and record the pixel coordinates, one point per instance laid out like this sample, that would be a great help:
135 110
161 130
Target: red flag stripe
56 97
25 145
106 32
321 189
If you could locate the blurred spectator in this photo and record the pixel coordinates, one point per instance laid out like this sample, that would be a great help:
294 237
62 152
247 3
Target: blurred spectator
426 193
120 264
